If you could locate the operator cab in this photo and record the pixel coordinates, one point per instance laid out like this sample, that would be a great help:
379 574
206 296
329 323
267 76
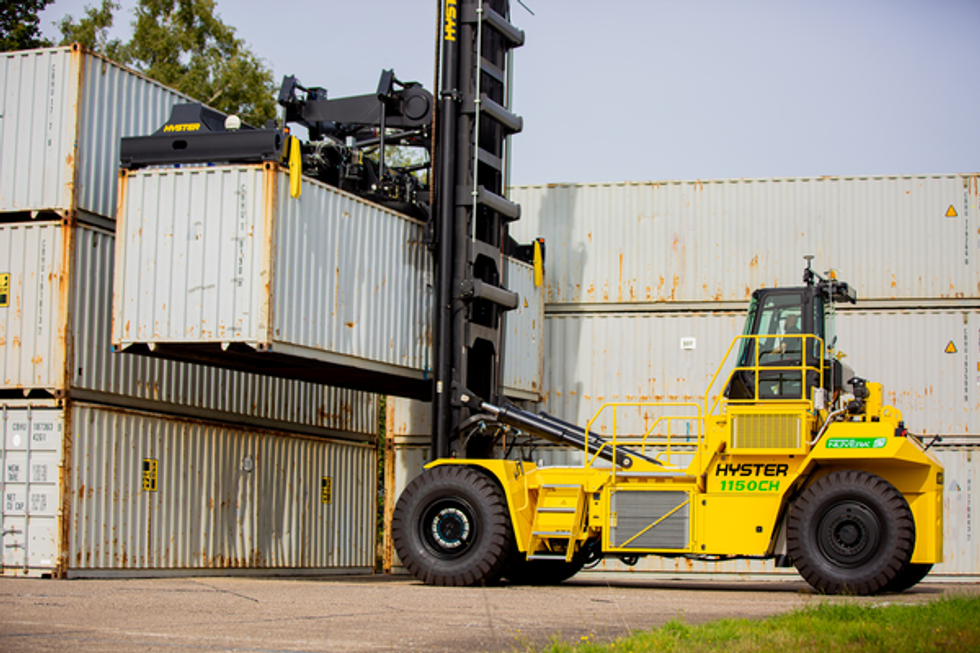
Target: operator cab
793 330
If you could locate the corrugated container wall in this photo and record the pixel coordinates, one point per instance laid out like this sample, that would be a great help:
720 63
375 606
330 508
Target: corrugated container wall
901 237
522 349
147 492
212 256
62 115
223 264
222 497
54 336
606 357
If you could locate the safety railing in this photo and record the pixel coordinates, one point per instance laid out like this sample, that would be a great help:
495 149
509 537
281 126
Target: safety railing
670 441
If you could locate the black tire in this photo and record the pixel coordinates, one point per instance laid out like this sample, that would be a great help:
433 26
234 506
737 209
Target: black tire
850 532
452 527
541 572
908 577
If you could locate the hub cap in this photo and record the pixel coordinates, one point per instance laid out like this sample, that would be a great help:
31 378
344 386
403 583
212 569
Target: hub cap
849 534
448 527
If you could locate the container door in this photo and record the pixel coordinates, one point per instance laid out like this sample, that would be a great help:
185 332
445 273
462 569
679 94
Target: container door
31 453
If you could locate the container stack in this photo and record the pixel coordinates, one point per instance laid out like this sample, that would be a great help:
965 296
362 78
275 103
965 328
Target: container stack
648 283
117 463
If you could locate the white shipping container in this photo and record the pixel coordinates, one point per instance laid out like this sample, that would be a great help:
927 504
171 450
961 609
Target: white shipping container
54 337
928 361
145 493
522 349
897 237
326 286
31 450
221 264
62 113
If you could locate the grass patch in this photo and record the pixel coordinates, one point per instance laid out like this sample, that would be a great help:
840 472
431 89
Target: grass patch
950 625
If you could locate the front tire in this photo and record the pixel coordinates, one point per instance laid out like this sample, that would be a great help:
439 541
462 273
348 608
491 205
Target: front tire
851 532
451 526
908 577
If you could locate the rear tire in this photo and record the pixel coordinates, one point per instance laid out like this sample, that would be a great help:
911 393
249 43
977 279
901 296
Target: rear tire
851 533
451 526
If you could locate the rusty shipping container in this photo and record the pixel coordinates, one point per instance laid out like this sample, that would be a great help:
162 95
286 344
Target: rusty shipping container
96 491
900 238
222 265
54 341
522 349
62 115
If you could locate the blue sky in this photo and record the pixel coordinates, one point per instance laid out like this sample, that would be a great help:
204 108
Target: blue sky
670 89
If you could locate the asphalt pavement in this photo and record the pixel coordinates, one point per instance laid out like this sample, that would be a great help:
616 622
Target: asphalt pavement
374 613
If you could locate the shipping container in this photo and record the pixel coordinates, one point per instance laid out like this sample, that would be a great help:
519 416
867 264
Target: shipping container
54 340
908 237
522 349
63 112
93 491
222 265
927 360
32 446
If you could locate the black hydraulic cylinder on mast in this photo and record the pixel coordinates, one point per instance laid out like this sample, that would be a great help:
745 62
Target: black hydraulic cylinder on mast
445 157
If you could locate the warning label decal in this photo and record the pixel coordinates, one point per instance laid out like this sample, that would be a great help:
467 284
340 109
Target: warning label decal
150 468
4 289
951 212
951 348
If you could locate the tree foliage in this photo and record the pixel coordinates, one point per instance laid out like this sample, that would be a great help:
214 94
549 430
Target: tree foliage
92 30
185 45
19 24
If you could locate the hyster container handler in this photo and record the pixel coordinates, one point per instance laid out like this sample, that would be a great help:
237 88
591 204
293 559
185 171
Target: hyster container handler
795 460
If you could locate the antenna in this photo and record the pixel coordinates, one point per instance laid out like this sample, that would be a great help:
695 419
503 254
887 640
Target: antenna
808 273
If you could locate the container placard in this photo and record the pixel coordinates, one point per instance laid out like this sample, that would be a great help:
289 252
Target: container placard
150 469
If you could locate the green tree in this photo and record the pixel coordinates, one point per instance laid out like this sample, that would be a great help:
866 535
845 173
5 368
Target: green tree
185 45
19 24
92 30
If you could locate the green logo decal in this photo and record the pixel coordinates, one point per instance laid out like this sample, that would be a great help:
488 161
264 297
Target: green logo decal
857 443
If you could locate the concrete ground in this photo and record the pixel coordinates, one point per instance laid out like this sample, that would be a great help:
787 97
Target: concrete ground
373 613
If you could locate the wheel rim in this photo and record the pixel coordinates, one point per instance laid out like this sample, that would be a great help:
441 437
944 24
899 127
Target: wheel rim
448 528
849 534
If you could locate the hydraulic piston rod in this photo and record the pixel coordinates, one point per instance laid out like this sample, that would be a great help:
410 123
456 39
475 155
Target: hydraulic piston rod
557 431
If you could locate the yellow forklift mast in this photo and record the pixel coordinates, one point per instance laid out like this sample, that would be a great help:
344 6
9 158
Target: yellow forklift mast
791 458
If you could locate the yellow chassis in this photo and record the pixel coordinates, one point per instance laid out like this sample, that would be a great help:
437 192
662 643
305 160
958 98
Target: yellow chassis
743 468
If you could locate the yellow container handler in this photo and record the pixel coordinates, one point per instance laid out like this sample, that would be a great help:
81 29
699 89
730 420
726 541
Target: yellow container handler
794 459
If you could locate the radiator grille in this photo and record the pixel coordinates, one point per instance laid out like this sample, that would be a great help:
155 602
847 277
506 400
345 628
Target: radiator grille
635 511
766 432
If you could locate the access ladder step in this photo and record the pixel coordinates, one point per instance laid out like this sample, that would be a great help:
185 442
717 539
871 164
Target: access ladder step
547 556
552 534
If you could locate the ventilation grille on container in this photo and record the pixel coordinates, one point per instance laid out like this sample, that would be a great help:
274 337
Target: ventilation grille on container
766 432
